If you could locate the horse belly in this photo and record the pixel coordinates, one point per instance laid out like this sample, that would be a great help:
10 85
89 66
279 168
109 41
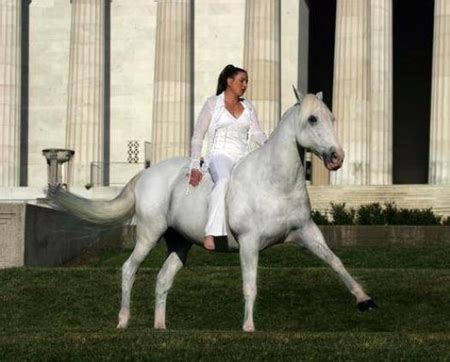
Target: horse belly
188 213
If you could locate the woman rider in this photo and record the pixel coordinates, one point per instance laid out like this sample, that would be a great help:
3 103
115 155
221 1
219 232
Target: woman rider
230 122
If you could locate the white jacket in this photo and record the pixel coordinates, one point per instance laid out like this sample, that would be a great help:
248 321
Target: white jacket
207 120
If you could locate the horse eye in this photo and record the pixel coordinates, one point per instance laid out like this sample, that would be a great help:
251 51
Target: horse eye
312 119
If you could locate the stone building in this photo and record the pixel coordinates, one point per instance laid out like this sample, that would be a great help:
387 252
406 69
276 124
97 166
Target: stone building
121 82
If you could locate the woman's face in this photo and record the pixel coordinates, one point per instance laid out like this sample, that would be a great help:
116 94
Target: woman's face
238 84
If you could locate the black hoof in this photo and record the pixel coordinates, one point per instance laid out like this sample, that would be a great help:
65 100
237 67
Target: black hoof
368 304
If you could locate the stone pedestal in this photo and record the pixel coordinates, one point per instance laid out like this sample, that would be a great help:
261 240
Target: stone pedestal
10 71
350 90
262 59
172 119
56 157
12 240
439 165
85 106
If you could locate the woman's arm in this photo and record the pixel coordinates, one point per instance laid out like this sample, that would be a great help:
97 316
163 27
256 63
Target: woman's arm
256 132
200 129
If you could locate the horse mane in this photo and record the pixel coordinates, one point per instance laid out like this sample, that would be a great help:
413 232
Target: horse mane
287 112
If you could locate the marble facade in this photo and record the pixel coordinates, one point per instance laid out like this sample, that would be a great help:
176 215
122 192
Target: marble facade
163 58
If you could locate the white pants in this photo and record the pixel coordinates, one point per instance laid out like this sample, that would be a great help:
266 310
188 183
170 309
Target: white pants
220 167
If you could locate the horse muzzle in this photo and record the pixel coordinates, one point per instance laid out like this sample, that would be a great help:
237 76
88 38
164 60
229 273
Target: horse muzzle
333 159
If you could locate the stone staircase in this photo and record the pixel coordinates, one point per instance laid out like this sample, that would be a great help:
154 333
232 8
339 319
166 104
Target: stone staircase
406 196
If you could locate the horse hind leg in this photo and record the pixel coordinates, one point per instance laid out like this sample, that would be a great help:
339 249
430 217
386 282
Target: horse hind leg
146 239
311 237
177 257
249 255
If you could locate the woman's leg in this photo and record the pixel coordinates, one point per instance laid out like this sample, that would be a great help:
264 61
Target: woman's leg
220 167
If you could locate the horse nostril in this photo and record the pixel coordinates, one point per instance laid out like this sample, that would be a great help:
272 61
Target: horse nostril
334 156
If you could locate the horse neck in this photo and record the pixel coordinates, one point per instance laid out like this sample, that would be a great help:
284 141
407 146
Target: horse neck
283 156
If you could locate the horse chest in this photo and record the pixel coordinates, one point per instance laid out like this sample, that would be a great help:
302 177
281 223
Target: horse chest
283 214
272 217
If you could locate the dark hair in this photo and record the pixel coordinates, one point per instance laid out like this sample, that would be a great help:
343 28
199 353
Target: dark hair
228 72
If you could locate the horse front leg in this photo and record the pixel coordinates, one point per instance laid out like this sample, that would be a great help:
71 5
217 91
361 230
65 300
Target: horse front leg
173 264
311 237
249 253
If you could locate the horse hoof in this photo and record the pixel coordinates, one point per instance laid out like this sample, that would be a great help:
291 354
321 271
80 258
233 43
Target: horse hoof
159 327
248 328
124 317
366 305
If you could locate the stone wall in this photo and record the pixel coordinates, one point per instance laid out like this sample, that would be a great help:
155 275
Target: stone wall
33 235
12 237
386 236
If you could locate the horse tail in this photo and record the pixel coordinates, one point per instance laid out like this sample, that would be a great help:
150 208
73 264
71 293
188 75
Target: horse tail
119 209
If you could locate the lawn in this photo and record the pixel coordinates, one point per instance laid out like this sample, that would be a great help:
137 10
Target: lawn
303 312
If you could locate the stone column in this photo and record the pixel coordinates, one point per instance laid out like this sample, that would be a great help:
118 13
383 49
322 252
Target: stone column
380 130
10 71
172 83
262 59
439 165
320 174
85 106
350 90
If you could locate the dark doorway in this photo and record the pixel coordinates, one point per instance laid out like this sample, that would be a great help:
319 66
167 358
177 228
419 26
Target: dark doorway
322 20
107 96
24 61
413 44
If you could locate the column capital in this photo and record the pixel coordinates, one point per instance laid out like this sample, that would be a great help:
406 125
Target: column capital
71 1
59 154
173 1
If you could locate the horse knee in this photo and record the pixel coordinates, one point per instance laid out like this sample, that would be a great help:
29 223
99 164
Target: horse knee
129 269
249 291
336 263
162 287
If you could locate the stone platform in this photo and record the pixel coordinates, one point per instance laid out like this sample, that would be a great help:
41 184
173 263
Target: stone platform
35 235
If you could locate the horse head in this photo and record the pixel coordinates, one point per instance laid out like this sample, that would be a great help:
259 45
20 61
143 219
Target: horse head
315 130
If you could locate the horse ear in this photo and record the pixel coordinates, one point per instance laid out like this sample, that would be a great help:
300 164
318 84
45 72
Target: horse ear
320 96
298 95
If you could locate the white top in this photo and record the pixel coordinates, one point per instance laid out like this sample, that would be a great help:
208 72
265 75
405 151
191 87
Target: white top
231 135
226 134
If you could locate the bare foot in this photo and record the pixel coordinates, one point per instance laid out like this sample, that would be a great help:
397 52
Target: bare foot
208 243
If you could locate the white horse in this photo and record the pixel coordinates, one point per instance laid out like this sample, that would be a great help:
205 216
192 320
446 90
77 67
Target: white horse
267 203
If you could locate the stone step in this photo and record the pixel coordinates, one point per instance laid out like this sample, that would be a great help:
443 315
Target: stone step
406 196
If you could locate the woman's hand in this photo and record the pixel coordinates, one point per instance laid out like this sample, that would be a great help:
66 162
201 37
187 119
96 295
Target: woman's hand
196 177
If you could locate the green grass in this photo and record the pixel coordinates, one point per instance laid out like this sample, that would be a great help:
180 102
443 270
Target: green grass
193 345
303 312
